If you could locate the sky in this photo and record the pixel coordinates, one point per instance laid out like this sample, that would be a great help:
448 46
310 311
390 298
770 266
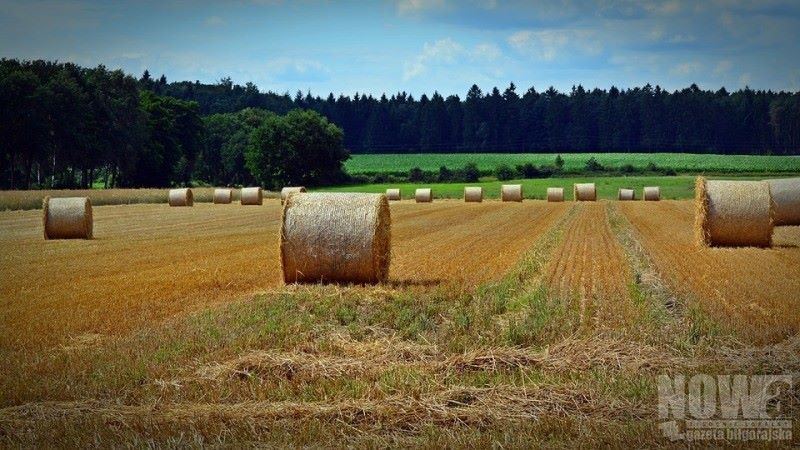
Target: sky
420 46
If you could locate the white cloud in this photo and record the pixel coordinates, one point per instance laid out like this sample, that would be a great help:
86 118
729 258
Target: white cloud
489 52
686 68
441 51
723 67
413 6
296 69
549 44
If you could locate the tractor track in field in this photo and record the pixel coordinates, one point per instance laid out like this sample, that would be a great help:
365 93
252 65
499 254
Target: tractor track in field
751 291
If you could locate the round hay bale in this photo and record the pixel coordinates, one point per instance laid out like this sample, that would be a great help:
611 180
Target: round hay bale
651 193
288 190
67 218
181 197
335 237
626 194
473 194
733 213
584 192
555 194
223 196
393 194
423 195
511 192
252 196
786 195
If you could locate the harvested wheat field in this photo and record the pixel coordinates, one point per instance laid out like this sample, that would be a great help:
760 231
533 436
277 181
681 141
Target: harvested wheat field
148 262
753 291
526 324
589 270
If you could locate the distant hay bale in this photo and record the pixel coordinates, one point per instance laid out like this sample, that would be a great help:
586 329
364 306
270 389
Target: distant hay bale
651 193
288 190
555 194
473 194
511 192
181 197
252 196
393 194
67 218
223 196
733 213
626 194
584 192
423 195
335 237
786 195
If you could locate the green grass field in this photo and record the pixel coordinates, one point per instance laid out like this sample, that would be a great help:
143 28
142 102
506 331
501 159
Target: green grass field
680 162
678 187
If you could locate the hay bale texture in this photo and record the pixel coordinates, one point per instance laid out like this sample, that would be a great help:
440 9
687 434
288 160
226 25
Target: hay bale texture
651 193
511 192
473 194
786 195
290 189
626 194
223 196
555 194
252 196
335 237
733 213
67 218
423 195
584 192
181 197
393 194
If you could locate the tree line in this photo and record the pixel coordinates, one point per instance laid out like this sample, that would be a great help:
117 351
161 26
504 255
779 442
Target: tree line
64 126
641 119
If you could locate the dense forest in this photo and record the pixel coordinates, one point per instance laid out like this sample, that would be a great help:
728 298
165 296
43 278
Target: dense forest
62 125
646 119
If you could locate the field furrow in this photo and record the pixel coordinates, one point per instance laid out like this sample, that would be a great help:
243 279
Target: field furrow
589 269
752 291
149 262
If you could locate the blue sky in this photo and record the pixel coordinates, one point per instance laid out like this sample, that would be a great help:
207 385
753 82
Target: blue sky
420 46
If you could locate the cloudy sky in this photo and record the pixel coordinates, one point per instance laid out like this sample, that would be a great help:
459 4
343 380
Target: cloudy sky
420 45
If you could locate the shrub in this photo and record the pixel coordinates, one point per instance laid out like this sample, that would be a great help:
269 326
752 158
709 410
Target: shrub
445 174
528 170
470 173
559 163
593 166
416 175
503 172
627 168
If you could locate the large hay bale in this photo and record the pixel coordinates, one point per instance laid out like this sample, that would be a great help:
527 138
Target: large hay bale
584 192
181 197
335 237
252 196
393 194
67 218
786 195
511 192
473 194
555 194
223 196
626 194
733 213
423 195
651 193
290 189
